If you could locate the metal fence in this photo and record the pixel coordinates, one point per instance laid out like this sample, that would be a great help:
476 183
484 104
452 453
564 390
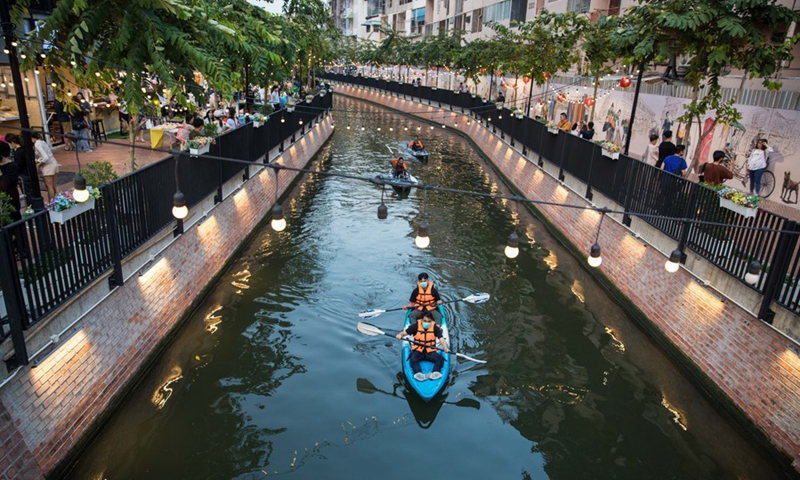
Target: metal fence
45 263
672 204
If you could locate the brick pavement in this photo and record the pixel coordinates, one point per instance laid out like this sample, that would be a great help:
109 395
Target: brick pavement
755 369
46 410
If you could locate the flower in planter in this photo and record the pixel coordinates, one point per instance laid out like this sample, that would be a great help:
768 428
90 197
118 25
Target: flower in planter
257 117
309 98
609 146
64 200
738 197
551 124
197 143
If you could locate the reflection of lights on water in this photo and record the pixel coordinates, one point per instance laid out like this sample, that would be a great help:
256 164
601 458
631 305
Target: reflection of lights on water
241 279
615 341
577 290
213 319
677 416
163 393
564 393
551 261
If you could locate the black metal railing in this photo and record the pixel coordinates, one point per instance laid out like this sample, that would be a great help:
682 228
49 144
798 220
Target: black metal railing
46 263
667 202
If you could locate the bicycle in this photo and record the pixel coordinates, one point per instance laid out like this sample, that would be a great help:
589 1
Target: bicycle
740 171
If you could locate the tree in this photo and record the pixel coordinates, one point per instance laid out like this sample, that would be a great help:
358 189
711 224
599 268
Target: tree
716 36
149 47
599 51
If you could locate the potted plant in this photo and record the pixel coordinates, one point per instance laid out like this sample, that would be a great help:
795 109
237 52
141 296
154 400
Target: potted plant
99 173
738 201
552 127
517 112
258 120
199 145
290 104
63 206
210 129
499 105
309 98
610 150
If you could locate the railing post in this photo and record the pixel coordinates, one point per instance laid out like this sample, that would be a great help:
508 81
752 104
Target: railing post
12 295
109 200
777 269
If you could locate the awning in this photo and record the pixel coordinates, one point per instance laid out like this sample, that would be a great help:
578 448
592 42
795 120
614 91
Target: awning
372 23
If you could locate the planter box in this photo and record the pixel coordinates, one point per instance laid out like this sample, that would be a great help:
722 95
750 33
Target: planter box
290 109
499 106
257 124
194 152
473 96
519 116
309 101
747 212
552 130
456 92
64 215
610 154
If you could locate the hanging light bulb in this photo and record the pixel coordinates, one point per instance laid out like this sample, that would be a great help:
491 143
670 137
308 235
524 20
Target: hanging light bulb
179 208
348 127
422 241
363 128
594 256
512 247
753 273
383 211
674 261
79 193
278 223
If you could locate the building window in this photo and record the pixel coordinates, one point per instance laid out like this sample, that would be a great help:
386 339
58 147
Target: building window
578 6
417 20
497 12
477 20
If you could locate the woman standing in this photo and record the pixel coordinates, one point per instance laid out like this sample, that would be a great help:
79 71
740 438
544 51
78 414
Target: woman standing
46 162
756 165
80 124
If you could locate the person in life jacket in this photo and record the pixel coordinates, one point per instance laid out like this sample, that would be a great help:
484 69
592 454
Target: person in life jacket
416 144
425 332
424 298
398 167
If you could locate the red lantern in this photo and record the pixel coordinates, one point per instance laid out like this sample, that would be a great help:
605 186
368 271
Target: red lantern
561 97
423 74
625 82
483 70
446 69
499 73
589 101
545 75
525 80
515 86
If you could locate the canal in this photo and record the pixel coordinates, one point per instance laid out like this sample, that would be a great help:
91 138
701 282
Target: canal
270 376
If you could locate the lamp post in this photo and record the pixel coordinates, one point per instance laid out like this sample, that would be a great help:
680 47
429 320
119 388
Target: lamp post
10 39
633 109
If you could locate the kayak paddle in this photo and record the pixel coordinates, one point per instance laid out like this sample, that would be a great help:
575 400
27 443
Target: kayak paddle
474 298
372 330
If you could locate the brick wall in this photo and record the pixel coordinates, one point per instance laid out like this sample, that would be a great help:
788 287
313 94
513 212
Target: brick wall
46 410
751 368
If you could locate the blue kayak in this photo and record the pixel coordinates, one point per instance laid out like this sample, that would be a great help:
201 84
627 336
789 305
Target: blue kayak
426 389
421 155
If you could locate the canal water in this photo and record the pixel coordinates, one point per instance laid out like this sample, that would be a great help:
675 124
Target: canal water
270 376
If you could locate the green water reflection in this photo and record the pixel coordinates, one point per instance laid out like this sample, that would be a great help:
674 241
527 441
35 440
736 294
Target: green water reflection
270 377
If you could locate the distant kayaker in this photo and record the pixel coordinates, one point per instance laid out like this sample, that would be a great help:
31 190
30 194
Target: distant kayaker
425 332
398 167
416 145
424 298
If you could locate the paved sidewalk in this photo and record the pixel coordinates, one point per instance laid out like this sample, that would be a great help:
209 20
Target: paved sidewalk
115 151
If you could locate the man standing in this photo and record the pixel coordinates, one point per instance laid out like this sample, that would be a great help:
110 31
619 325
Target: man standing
715 173
666 148
675 163
564 124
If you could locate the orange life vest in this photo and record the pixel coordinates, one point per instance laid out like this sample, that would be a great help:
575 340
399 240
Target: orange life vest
425 337
398 165
417 144
425 300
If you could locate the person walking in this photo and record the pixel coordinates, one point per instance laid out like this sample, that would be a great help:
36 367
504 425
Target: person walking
46 162
80 124
665 149
650 155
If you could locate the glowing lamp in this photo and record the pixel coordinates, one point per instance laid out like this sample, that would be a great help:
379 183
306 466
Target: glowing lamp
278 222
79 193
594 256
422 240
674 261
753 273
512 247
179 208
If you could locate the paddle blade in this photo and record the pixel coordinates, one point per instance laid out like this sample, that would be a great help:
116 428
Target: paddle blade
469 403
369 329
477 298
467 357
365 386
371 313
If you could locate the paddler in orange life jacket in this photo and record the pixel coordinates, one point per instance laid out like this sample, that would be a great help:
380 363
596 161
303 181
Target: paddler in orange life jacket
425 332
424 298
416 144
398 167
